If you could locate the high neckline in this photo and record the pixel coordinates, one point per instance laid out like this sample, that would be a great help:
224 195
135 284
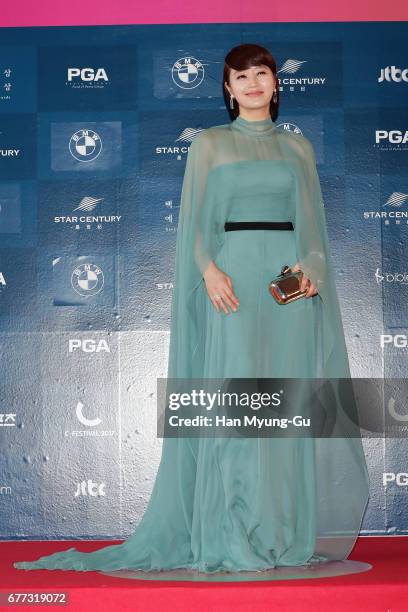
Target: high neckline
261 127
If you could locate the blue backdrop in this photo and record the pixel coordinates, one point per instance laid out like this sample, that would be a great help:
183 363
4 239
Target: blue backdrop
95 124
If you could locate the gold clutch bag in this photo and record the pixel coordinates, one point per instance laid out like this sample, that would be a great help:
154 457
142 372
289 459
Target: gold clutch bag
286 287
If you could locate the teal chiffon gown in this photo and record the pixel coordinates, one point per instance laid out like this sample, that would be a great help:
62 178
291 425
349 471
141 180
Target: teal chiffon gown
233 504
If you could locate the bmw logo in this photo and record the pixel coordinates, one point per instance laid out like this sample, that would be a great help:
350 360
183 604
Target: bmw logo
85 145
87 279
187 72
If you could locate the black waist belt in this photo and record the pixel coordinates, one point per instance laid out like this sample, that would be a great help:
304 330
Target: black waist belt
243 225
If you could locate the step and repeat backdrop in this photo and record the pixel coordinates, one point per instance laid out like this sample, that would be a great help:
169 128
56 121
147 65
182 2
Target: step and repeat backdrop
95 125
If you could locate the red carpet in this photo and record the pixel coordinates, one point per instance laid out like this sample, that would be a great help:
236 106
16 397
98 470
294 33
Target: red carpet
384 588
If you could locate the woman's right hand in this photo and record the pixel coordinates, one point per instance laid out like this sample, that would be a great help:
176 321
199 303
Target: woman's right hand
219 289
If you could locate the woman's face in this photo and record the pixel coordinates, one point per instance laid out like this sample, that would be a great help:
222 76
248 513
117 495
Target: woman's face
252 88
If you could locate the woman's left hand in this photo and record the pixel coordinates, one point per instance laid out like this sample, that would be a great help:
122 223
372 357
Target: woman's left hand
305 282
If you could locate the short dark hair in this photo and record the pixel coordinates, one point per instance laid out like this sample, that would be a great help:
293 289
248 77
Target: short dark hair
243 57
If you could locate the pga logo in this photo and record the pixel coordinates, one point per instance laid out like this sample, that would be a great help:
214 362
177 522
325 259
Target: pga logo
392 136
397 340
88 345
87 74
400 479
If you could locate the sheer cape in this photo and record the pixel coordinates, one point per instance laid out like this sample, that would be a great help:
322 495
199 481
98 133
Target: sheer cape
341 471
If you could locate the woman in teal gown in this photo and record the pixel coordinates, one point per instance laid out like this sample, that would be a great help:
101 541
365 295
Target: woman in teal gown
232 504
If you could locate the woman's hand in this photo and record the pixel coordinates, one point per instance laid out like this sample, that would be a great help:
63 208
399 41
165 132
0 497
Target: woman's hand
219 288
305 282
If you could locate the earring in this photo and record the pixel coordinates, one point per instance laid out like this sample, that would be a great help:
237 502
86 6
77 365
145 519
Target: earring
274 97
231 102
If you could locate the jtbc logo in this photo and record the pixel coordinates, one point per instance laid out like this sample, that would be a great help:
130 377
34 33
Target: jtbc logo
89 487
392 73
87 74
